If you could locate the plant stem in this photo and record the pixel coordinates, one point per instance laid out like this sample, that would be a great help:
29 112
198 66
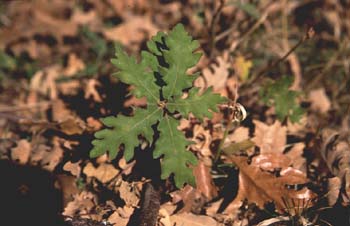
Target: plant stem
227 130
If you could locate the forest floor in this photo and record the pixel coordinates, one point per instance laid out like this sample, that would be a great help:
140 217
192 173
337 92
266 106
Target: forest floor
286 63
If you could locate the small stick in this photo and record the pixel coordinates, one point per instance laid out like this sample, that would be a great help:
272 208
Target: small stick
4 109
212 28
309 34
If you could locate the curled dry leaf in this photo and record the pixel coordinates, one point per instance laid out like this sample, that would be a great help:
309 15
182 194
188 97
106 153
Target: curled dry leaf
319 101
104 172
202 139
334 186
21 152
204 180
258 182
335 151
270 138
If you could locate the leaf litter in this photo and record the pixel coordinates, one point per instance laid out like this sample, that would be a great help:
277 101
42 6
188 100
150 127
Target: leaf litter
291 153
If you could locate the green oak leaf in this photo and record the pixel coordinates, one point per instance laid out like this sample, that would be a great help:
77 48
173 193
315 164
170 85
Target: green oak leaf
139 75
171 145
161 77
180 58
278 94
125 130
199 105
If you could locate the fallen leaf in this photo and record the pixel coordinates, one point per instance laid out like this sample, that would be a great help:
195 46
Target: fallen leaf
71 126
204 180
202 139
215 77
242 67
90 18
121 6
240 134
93 124
67 121
192 199
104 172
44 81
133 30
335 150
38 154
121 216
73 168
126 167
189 219
68 186
164 217
129 194
334 186
90 90
82 204
296 155
259 184
52 157
74 65
297 128
21 152
270 138
319 101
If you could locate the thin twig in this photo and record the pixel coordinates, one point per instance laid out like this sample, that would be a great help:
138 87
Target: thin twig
310 33
4 109
247 33
211 31
329 64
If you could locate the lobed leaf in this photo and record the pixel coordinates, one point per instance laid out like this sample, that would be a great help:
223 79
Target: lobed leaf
199 105
172 146
125 130
139 75
277 94
180 58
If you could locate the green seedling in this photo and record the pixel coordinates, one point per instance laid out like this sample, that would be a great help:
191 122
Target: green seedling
160 76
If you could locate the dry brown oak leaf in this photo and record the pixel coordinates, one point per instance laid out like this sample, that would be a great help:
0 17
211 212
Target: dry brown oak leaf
335 151
258 182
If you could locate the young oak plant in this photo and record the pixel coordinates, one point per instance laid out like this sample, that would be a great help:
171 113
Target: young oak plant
161 76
